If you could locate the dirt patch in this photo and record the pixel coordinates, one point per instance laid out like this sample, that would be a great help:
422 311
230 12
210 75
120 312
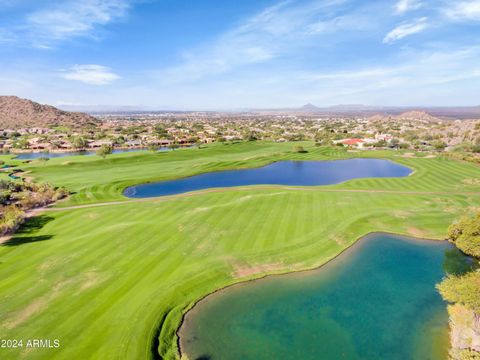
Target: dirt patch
93 215
471 181
412 155
34 307
47 265
234 202
339 240
416 232
92 278
245 270
401 214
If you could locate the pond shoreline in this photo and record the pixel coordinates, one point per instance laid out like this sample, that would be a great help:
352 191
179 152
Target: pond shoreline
349 250
280 172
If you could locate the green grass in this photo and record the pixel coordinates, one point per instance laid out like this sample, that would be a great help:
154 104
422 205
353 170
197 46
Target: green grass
112 282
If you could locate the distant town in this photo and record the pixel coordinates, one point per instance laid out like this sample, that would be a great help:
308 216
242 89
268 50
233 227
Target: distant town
412 130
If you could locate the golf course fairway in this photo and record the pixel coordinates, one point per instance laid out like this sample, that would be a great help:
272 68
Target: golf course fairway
111 277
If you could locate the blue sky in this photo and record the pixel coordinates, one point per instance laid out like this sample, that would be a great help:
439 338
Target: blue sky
220 54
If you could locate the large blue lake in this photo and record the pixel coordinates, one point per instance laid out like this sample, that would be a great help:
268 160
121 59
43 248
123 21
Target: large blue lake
293 173
376 301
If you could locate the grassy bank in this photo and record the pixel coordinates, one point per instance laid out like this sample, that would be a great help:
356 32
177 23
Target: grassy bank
103 280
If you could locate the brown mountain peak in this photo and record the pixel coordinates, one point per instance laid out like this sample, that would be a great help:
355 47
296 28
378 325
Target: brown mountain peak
17 113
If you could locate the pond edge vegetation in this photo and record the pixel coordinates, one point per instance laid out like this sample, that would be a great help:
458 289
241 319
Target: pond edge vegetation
462 292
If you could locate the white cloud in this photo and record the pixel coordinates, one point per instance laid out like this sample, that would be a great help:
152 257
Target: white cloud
403 6
332 25
67 19
434 70
361 74
91 74
464 10
406 29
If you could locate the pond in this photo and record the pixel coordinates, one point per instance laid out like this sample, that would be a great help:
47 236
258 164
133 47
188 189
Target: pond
293 173
377 300
51 155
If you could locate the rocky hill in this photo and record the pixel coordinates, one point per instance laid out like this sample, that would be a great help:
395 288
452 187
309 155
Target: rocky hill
410 116
18 113
419 116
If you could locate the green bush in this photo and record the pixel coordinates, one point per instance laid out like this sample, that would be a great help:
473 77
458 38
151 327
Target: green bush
466 234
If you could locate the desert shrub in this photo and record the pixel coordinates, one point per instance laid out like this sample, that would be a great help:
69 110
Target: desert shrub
11 217
104 150
300 149
469 354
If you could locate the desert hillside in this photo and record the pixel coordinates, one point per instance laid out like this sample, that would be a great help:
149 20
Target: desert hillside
17 113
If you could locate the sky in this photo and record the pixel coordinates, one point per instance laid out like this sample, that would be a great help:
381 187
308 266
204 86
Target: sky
227 54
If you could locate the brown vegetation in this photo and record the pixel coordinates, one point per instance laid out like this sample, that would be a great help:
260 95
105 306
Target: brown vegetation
17 198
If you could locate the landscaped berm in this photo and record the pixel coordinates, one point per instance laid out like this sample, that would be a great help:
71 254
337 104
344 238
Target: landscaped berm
111 277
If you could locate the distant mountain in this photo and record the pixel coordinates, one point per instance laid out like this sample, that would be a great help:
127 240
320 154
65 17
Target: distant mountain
17 113
309 107
337 108
435 113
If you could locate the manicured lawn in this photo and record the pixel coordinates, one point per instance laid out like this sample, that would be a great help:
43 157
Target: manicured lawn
113 281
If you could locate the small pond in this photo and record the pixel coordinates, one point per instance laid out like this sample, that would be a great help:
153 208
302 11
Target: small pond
376 301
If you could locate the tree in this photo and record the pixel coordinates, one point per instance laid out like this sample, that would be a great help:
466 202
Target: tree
380 144
43 159
10 219
463 289
78 142
300 149
466 234
105 150
323 138
394 143
152 147
439 145
251 136
21 143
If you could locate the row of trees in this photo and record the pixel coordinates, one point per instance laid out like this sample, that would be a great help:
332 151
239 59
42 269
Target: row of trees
107 149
